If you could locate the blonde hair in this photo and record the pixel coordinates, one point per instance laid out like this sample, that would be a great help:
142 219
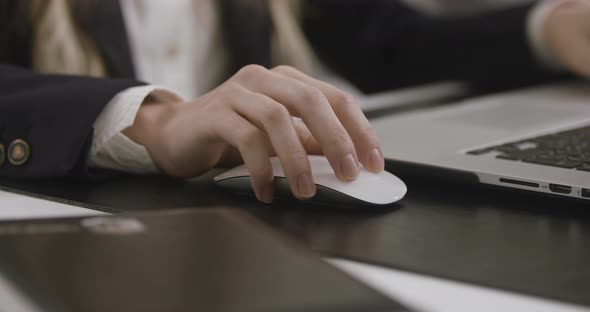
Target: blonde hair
59 45
289 45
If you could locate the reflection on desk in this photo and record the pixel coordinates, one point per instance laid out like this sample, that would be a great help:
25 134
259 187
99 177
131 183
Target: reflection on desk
425 293
214 259
18 207
323 230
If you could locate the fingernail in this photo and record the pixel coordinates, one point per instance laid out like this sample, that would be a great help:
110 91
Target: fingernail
305 186
267 193
376 160
349 167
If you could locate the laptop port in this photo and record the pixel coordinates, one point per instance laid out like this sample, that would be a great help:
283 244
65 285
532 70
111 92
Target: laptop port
561 189
586 193
518 182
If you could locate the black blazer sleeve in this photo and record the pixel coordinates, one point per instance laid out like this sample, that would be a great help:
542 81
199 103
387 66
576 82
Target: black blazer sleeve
384 44
55 115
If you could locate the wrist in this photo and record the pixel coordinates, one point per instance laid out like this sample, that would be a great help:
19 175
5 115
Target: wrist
151 128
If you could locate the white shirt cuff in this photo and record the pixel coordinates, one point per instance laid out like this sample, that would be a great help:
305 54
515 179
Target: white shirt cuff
535 24
111 149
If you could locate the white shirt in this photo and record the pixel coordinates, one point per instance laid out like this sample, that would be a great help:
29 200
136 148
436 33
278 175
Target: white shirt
176 45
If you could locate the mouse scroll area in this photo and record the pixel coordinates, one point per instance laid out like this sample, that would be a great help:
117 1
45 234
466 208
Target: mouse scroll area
369 188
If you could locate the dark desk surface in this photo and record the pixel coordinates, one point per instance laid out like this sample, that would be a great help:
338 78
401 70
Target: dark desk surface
178 260
509 240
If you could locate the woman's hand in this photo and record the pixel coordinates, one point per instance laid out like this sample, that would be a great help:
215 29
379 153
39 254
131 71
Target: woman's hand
250 118
567 34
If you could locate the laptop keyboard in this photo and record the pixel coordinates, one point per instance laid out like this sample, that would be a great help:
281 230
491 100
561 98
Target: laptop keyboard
568 149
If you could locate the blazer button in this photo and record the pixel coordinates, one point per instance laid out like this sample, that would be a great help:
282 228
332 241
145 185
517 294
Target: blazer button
19 152
2 155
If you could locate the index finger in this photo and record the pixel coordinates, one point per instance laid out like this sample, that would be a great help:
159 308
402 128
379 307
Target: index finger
365 140
311 104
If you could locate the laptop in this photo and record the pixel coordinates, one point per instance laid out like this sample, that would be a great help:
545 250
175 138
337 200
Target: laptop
535 139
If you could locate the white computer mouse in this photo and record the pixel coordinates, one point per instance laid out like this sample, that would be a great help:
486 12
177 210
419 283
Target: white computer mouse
369 188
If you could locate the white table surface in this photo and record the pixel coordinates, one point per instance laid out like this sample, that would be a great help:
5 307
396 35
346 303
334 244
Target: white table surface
421 292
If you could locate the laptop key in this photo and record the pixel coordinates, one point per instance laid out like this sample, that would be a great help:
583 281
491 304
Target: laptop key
578 158
480 151
554 163
567 149
545 156
507 148
508 157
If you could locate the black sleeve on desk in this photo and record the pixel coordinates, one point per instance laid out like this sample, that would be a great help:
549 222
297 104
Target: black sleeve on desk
55 115
380 44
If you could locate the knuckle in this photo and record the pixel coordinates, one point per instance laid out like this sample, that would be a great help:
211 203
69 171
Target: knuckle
285 69
276 113
370 132
228 93
340 141
251 70
315 96
231 87
371 138
344 99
